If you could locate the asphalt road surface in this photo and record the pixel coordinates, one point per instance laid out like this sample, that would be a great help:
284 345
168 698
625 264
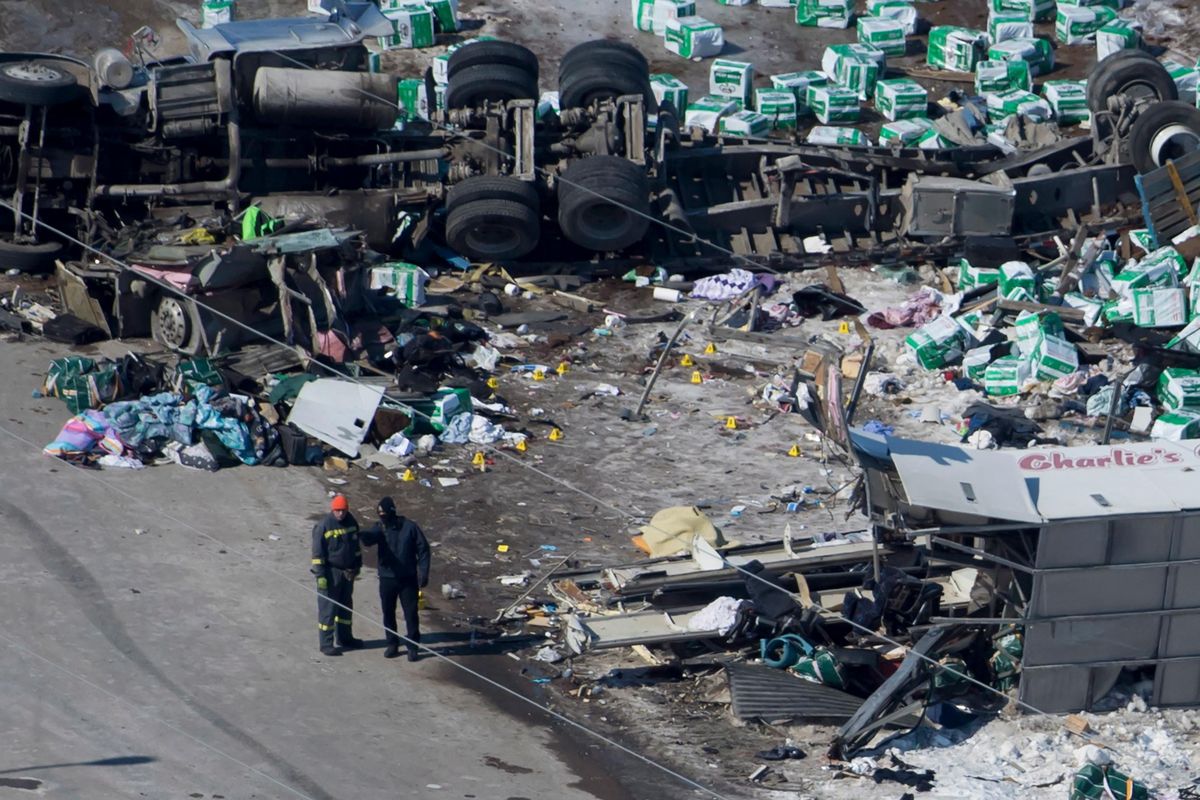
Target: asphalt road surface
169 664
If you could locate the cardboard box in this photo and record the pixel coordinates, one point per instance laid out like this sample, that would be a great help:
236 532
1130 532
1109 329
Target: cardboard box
955 48
833 104
1185 77
901 98
898 10
693 37
1068 101
992 77
745 123
669 89
936 343
932 140
972 277
777 105
445 15
903 133
887 34
1164 307
1017 281
975 362
1036 10
854 66
1054 358
215 12
797 83
412 99
1038 53
407 281
1003 25
1075 24
1177 426
851 137
706 112
824 13
1005 376
643 15
1115 36
666 10
732 79
412 27
1179 388
1016 101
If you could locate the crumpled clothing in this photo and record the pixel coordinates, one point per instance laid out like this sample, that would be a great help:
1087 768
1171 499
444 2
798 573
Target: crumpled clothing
398 445
121 462
719 288
166 417
1069 384
720 615
458 430
1099 403
819 299
881 383
921 307
877 427
84 434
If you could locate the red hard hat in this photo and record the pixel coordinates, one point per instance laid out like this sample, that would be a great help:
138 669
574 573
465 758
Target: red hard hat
339 503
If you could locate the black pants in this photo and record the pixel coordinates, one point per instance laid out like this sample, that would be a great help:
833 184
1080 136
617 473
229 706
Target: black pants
330 615
404 590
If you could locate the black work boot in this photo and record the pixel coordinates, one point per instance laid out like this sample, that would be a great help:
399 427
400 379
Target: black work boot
330 651
350 643
413 654
392 651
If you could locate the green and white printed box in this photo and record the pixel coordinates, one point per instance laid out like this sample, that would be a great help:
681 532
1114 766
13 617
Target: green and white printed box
1017 281
1115 5
643 15
1036 10
903 133
777 105
1038 53
1004 25
706 112
1144 274
1075 24
903 12
745 123
955 48
215 12
1179 388
1005 376
666 10
1160 307
693 37
732 79
1120 34
413 99
669 89
1171 257
992 77
1176 426
1028 332
936 343
412 27
854 66
1090 306
837 136
407 281
932 140
777 3
445 15
547 105
1054 358
901 98
833 104
797 83
972 277
975 362
1185 78
824 13
886 34
1016 101
1068 101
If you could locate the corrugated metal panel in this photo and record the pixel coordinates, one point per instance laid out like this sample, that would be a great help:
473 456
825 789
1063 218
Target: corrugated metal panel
766 693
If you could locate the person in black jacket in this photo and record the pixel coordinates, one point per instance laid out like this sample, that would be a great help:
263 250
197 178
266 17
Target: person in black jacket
403 569
336 561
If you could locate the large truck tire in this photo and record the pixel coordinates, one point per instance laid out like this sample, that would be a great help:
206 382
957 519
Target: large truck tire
481 83
603 203
492 229
37 83
1162 132
603 51
34 259
493 187
1135 73
605 70
489 53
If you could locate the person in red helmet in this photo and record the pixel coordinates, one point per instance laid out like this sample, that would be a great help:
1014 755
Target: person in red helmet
336 561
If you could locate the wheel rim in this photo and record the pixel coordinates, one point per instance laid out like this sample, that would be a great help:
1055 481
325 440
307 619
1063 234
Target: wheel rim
604 221
492 239
173 324
1138 90
1172 142
32 72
